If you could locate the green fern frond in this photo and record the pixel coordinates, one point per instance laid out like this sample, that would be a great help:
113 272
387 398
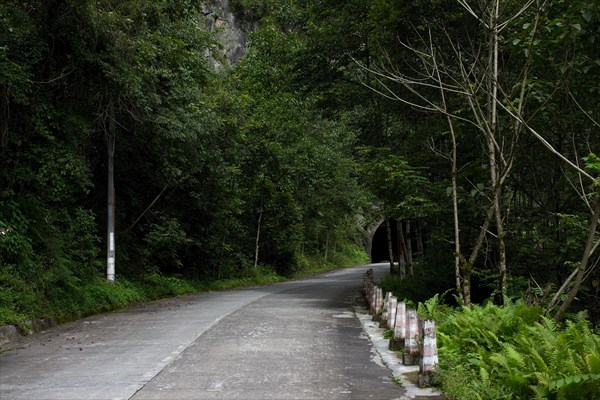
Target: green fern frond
560 383
540 392
485 376
538 361
500 359
490 338
542 378
593 362
515 357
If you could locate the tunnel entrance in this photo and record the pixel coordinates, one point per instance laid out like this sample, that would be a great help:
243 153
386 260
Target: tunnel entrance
379 248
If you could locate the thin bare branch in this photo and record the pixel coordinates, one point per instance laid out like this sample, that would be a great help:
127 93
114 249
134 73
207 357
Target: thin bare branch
464 4
544 141
506 23
582 110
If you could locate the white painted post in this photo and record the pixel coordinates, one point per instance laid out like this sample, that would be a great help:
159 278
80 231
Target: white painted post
367 281
368 286
392 312
384 310
379 302
397 341
400 326
374 300
411 341
429 356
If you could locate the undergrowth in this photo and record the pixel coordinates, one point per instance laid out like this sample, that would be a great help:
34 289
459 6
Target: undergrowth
70 298
65 303
346 255
513 352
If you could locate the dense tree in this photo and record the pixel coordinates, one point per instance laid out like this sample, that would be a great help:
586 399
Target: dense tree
218 171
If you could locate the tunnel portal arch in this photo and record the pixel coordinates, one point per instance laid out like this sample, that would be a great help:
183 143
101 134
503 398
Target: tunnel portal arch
378 251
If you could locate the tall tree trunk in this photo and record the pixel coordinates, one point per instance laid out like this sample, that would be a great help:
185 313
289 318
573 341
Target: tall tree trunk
492 133
326 246
409 254
401 249
459 277
467 265
501 248
257 242
223 242
583 264
110 139
388 231
460 280
419 239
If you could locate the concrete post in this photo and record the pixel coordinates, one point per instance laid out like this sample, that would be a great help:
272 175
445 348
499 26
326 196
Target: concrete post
383 322
378 304
393 309
411 341
397 341
385 305
367 281
429 356
368 286
374 299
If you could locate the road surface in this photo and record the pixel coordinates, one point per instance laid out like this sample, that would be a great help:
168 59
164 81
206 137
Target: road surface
296 340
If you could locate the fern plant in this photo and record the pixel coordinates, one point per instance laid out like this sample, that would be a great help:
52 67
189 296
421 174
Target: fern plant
512 352
545 362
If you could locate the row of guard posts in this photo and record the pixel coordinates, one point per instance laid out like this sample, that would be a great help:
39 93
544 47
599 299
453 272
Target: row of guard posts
414 337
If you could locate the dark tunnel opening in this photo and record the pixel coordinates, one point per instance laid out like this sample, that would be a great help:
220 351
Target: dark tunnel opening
379 249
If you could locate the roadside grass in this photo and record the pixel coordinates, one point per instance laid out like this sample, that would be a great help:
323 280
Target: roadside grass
346 256
20 302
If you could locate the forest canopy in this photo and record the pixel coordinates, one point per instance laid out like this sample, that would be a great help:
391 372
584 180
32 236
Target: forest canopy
472 128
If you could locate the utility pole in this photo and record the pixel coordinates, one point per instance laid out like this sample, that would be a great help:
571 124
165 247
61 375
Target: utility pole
110 139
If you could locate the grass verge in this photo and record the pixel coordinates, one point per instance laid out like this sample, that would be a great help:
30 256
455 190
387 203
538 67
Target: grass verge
19 302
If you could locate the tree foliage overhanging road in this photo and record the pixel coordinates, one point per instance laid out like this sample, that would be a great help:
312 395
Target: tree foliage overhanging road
474 124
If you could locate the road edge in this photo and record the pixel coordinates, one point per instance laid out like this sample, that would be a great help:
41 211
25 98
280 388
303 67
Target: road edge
404 375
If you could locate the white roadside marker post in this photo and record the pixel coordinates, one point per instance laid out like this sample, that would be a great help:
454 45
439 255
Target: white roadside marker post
373 300
411 341
429 356
386 310
397 341
393 309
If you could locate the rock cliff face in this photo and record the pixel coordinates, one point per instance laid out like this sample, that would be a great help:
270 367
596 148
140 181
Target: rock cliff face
231 33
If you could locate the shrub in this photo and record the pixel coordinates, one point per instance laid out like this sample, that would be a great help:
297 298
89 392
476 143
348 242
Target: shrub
512 352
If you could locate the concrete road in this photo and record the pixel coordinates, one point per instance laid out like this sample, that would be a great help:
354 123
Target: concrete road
297 340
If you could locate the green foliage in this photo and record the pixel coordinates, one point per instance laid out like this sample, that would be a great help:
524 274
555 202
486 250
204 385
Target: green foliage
349 254
249 10
592 164
17 300
16 244
344 256
513 352
158 286
403 188
285 147
67 299
430 279
164 240
432 308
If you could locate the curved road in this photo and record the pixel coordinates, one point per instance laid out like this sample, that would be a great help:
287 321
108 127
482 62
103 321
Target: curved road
296 340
